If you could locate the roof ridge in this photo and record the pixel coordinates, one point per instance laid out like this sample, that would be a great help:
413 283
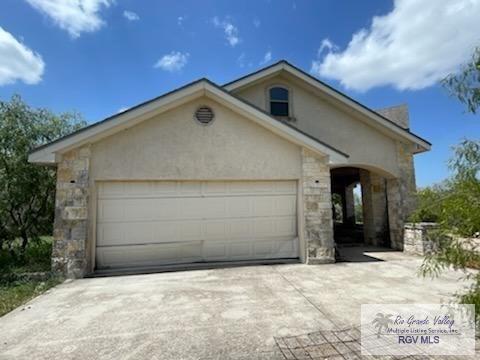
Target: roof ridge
111 117
209 82
285 62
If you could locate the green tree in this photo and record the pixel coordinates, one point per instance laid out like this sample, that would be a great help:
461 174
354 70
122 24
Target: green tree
465 85
358 208
27 191
455 206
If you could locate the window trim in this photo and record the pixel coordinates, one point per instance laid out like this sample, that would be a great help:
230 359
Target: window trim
289 101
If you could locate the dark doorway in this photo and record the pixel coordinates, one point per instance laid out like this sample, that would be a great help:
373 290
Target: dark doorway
347 206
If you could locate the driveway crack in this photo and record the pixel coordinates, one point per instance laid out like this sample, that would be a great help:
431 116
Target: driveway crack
327 315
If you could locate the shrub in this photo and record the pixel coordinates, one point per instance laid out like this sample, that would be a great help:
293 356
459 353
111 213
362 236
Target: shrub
455 206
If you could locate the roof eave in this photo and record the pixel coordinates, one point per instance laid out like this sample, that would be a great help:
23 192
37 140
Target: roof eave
49 154
261 74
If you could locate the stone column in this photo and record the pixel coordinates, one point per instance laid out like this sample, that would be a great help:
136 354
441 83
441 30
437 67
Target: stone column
401 195
395 214
71 214
407 177
318 229
374 207
349 205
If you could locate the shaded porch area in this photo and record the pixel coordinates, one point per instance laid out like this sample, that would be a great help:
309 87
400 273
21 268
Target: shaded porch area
366 209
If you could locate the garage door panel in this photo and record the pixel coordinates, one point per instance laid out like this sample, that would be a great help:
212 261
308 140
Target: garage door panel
189 188
286 226
215 188
263 248
141 233
110 210
166 231
215 250
263 227
161 222
218 229
241 228
114 234
285 187
113 188
165 209
109 234
251 187
263 206
190 230
284 205
202 208
285 247
140 189
148 255
138 209
240 206
240 250
164 188
213 208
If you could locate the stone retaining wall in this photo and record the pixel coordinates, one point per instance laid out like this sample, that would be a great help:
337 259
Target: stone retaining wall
417 238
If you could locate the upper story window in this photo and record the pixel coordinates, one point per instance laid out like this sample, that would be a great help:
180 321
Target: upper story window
279 101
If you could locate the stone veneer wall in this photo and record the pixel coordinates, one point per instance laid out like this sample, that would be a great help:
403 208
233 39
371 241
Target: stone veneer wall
398 114
401 195
318 230
417 238
374 205
69 255
349 203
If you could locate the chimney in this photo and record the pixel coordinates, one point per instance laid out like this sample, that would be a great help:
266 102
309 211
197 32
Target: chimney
397 114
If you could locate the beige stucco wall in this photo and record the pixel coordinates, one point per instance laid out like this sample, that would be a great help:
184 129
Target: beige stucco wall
175 146
366 146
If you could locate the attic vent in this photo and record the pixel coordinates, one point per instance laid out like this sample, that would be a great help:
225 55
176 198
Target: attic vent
204 115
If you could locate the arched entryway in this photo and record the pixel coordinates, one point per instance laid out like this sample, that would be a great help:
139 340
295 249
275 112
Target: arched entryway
360 207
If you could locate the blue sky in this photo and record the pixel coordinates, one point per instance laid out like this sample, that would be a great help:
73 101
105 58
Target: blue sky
99 59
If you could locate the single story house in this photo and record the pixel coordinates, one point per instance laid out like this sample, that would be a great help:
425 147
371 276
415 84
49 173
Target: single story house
239 172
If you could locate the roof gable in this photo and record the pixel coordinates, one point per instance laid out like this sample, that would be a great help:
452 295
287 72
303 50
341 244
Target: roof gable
374 118
48 154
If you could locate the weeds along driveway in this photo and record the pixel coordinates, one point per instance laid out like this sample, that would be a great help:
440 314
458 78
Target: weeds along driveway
231 313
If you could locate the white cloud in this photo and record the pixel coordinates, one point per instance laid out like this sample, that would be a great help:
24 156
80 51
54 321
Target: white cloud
174 61
18 62
241 60
414 46
74 16
230 31
266 58
328 45
131 16
180 20
256 23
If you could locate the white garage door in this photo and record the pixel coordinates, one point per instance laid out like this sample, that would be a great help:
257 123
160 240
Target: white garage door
162 222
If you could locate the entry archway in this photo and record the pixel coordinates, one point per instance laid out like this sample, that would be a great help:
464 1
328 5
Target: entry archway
360 206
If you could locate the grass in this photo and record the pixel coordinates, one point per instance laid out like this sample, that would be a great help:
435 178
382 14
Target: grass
16 285
36 258
16 293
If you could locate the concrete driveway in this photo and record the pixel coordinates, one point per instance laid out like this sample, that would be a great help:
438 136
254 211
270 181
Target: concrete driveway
232 313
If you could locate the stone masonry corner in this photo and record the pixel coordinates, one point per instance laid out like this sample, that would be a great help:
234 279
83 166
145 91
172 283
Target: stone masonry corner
71 214
317 209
